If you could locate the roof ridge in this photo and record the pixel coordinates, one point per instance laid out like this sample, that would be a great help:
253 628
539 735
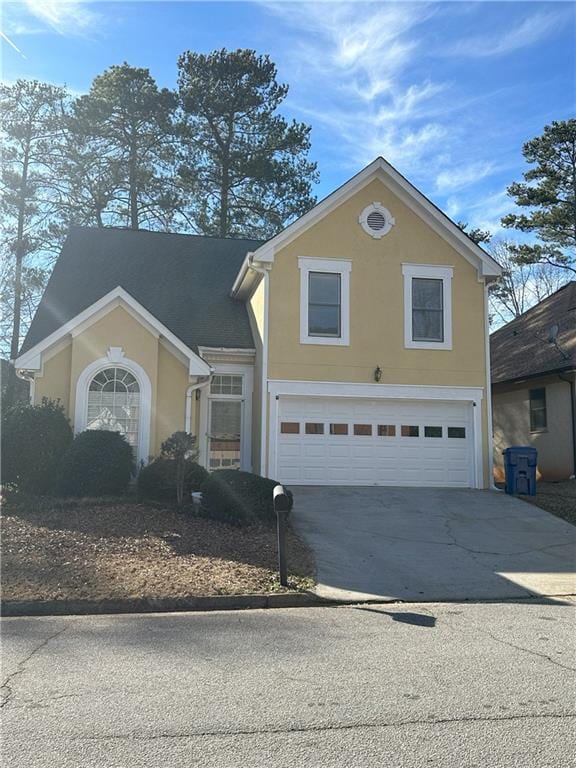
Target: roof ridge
523 315
129 230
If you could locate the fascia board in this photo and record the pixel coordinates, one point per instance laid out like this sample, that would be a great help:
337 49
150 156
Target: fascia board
32 359
409 195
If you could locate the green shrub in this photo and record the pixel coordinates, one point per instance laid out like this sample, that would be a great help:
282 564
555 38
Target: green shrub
238 497
97 463
34 439
179 447
157 480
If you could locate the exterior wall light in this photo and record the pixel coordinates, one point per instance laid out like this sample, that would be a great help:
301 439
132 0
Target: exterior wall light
377 373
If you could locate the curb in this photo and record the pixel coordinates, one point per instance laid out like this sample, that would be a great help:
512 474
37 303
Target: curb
160 605
13 608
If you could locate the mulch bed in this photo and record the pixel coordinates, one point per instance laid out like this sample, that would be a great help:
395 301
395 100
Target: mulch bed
557 498
97 549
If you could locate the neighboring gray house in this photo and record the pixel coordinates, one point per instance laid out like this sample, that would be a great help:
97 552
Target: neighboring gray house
533 363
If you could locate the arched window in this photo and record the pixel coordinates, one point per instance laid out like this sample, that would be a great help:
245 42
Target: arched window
114 403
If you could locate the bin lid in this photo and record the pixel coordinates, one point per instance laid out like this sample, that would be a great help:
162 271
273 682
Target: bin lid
520 449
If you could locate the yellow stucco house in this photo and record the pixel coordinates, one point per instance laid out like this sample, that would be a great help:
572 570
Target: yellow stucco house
352 348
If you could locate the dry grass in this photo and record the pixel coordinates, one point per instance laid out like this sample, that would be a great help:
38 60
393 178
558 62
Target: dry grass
96 549
557 498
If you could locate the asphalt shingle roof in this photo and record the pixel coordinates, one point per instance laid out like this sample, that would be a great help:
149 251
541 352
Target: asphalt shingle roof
521 348
183 280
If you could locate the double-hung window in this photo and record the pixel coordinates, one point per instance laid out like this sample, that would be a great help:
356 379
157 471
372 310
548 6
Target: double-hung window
324 301
324 304
427 309
427 306
538 417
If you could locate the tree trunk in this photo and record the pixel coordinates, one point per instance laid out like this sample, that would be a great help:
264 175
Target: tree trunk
133 191
16 323
224 191
179 481
15 341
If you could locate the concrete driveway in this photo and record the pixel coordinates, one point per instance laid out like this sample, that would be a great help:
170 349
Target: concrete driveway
433 544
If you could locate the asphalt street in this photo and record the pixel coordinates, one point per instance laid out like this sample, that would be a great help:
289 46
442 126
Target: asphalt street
452 684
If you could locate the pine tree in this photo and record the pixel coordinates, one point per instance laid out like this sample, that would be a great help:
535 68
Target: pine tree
33 124
127 123
247 169
549 192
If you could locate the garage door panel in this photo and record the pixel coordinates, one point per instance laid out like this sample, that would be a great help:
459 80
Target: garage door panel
346 458
338 451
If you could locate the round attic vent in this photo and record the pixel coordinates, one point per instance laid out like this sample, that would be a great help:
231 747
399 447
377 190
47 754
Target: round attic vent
376 220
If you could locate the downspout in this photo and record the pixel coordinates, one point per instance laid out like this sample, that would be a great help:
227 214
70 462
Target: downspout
572 385
264 384
490 435
192 388
30 378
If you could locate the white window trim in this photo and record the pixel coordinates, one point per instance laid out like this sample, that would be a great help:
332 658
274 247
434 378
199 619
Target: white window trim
428 271
115 358
334 266
247 373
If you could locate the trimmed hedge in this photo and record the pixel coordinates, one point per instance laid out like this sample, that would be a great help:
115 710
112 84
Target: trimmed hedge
238 497
97 463
157 480
34 438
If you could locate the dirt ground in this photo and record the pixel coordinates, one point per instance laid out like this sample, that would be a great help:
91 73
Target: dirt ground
557 498
115 549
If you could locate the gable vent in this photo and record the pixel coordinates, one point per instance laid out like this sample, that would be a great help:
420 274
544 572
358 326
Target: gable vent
376 220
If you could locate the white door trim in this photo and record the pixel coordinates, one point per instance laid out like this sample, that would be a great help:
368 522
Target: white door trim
386 391
247 373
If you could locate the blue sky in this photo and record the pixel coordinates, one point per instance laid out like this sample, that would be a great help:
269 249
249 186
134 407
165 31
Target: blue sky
447 92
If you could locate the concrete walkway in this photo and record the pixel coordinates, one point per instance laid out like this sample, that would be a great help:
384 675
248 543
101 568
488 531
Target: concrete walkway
433 544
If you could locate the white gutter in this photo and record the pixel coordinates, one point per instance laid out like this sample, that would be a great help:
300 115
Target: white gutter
242 274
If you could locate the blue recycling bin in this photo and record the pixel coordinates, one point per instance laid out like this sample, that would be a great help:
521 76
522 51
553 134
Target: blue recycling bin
520 467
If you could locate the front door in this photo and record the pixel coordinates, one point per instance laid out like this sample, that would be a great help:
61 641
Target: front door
226 419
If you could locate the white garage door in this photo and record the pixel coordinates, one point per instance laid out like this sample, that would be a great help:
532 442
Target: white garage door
343 441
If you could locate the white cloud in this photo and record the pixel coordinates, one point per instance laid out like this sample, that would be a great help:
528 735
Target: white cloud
483 211
413 102
5 37
67 17
407 148
349 64
462 176
366 42
531 30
